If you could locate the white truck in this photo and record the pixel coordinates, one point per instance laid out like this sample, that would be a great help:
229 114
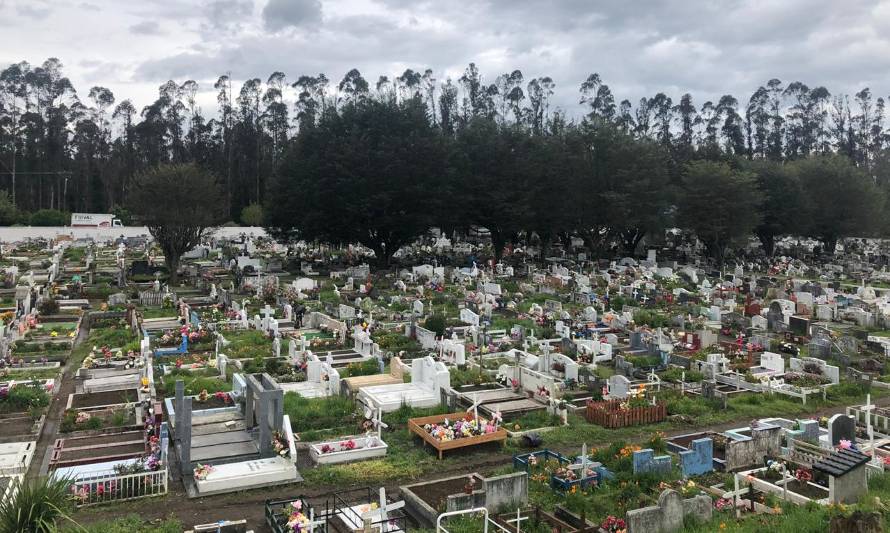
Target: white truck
94 220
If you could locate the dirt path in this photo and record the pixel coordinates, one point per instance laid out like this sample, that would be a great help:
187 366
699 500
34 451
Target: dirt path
249 505
43 452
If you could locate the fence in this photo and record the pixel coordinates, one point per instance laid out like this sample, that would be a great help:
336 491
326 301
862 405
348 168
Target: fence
153 298
609 414
114 487
806 453
479 510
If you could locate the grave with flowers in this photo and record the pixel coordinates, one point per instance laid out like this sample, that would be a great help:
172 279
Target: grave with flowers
234 446
291 515
356 447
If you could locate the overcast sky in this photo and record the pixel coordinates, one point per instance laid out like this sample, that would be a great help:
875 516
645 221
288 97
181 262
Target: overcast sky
705 47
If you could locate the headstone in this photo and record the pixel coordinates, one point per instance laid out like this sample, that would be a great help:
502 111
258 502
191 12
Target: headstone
841 427
699 459
645 462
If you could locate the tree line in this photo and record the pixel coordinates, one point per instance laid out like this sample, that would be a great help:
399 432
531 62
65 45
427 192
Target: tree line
380 162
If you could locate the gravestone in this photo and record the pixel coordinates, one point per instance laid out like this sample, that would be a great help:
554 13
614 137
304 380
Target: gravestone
646 462
841 427
669 514
808 431
264 408
117 298
418 308
699 459
618 386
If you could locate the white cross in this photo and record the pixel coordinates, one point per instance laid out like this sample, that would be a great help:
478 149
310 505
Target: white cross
313 522
475 407
519 518
377 420
870 430
267 314
382 511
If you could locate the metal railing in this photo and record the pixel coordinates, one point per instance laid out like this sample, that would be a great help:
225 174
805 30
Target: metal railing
485 520
113 487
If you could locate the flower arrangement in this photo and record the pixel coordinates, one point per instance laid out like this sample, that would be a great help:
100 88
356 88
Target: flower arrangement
723 504
774 470
470 486
280 444
222 396
543 392
845 444
82 417
203 396
342 446
461 428
803 475
296 519
613 524
202 471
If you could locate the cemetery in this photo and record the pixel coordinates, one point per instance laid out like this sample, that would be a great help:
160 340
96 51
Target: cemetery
466 389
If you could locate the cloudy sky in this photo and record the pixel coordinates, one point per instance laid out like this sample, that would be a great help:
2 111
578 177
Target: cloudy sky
706 47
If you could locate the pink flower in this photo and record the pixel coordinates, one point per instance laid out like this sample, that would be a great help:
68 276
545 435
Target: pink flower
844 444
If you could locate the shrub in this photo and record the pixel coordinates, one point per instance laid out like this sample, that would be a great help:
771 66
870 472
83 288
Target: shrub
27 396
50 217
48 306
436 324
252 215
37 506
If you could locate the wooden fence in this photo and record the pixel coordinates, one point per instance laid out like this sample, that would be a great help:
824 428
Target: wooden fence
610 414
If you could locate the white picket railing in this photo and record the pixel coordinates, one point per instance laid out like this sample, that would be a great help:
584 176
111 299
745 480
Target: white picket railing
91 490
485 519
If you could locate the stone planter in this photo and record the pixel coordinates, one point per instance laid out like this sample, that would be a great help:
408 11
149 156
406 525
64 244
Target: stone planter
365 448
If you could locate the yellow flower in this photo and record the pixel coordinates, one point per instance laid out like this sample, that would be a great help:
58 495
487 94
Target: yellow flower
722 525
54 334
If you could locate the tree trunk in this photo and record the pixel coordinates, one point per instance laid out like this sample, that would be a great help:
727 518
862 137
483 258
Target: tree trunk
768 241
630 240
498 242
830 244
172 261
382 253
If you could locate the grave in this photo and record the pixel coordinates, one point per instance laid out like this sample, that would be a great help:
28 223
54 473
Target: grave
425 499
847 477
841 427
669 514
645 462
699 459
428 377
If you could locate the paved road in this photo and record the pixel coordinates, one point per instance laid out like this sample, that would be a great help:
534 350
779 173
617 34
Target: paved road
16 234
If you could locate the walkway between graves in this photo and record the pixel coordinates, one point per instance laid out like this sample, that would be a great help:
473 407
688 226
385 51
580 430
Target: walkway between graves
57 408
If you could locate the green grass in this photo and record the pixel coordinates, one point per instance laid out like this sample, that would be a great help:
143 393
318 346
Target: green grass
129 524
319 418
195 382
25 373
113 337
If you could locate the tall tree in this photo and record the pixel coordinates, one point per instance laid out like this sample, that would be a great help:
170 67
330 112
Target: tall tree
179 204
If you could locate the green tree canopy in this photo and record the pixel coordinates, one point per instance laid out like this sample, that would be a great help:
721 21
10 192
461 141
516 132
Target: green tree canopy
719 204
178 204
840 200
366 174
